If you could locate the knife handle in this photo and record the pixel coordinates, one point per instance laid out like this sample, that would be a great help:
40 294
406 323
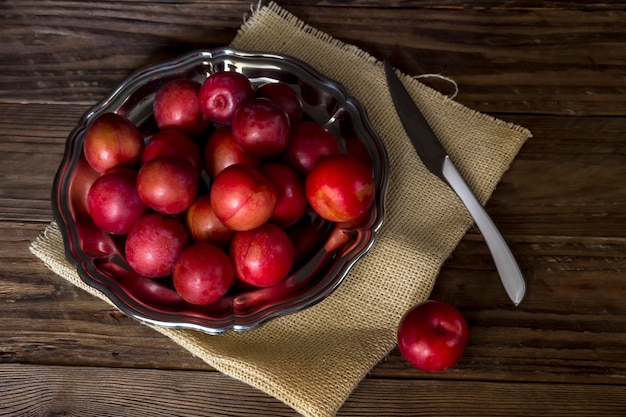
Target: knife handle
507 267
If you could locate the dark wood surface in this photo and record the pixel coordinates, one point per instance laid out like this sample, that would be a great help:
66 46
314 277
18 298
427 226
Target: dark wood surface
557 68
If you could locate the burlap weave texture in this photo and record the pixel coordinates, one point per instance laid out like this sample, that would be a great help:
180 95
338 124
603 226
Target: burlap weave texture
313 360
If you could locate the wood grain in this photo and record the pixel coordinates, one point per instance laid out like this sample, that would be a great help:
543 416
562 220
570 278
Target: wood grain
557 68
537 60
84 391
42 390
53 322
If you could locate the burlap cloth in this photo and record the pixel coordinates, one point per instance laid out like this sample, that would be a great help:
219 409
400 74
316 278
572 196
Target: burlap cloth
312 360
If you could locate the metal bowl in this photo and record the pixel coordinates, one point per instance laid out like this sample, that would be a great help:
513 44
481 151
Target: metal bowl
332 248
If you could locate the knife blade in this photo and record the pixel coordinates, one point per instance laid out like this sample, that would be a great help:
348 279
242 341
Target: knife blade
436 159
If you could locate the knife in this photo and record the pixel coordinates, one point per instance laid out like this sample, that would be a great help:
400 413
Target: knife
437 160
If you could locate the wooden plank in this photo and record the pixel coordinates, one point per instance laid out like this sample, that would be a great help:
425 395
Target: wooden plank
569 328
543 61
478 398
44 390
84 391
502 61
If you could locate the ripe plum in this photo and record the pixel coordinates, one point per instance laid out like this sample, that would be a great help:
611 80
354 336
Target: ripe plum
176 106
291 203
310 141
222 93
112 141
154 243
203 274
170 142
262 256
221 151
286 98
113 201
340 188
203 224
242 197
166 184
261 128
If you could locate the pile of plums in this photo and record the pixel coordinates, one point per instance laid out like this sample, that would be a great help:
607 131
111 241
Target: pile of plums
207 197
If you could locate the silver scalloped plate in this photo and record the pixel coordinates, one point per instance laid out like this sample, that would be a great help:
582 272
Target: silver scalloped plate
332 248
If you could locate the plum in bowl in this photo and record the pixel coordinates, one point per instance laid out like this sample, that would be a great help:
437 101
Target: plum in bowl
324 250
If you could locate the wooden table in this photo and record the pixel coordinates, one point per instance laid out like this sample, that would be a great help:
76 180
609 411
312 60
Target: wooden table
558 69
